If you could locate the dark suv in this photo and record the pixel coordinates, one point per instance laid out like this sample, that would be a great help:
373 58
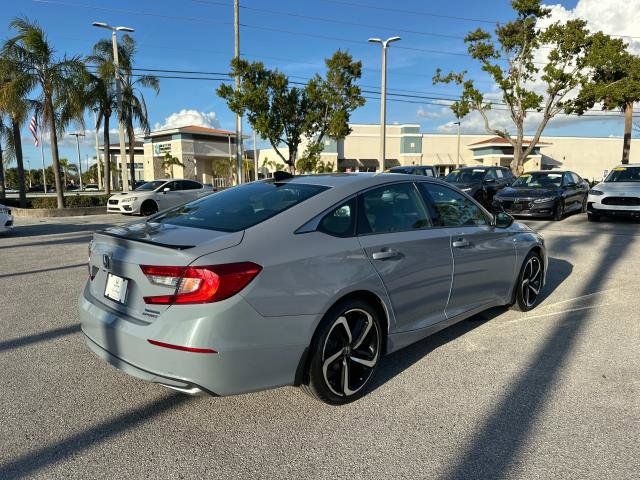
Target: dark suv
481 182
424 170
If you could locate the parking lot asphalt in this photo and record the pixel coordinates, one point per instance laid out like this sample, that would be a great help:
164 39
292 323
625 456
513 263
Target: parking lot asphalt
552 393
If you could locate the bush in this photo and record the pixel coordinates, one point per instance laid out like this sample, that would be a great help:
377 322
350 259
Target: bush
71 201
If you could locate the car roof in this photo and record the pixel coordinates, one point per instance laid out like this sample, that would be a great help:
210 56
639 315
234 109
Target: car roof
627 165
357 179
548 171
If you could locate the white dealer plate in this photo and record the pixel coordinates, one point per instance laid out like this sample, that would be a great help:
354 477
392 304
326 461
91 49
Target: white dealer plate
116 288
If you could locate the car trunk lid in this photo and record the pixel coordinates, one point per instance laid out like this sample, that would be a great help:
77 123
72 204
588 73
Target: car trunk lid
120 251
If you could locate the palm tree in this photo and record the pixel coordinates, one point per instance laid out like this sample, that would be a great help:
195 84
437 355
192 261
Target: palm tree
13 102
134 107
64 166
60 83
101 95
5 136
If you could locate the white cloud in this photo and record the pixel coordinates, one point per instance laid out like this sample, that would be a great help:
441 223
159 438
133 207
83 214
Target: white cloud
431 114
614 17
187 117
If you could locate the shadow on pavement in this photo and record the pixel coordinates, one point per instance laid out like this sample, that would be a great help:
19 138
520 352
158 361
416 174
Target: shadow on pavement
54 228
42 270
38 337
505 432
26 465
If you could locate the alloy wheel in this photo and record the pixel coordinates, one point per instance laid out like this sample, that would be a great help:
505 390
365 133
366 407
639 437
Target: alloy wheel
350 352
531 281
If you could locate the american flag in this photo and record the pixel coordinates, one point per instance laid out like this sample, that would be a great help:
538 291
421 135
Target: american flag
33 128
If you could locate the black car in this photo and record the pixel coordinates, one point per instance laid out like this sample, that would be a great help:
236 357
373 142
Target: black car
482 183
424 170
547 193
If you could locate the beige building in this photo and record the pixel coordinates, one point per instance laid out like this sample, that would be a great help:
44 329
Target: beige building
587 156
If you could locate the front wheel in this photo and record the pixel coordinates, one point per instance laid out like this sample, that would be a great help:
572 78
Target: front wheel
584 204
529 283
558 213
344 353
149 207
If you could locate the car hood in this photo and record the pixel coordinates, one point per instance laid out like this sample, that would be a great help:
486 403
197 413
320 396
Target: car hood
527 192
633 188
121 195
175 236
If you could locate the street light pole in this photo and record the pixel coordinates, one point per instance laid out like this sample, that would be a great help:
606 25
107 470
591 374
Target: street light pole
118 79
383 97
78 135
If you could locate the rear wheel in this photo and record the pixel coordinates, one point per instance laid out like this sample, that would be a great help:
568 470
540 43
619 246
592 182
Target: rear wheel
344 353
529 283
584 204
149 207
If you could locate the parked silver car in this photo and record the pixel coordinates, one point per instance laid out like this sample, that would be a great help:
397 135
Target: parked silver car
618 195
151 197
305 281
6 219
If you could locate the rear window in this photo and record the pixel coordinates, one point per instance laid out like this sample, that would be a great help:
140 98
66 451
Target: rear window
240 207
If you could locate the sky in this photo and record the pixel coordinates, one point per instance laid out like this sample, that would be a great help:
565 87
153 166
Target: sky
295 37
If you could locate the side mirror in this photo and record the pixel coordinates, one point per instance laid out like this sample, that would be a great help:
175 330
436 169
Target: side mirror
165 190
502 220
490 180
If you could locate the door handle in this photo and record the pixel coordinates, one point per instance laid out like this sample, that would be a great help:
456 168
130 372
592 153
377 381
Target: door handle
460 243
385 254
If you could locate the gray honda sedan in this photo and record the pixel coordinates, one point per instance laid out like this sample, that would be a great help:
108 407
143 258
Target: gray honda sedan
305 280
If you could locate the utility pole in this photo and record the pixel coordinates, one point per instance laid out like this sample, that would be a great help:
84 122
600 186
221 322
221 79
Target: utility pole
458 152
255 157
95 121
236 24
78 135
383 97
118 78
29 167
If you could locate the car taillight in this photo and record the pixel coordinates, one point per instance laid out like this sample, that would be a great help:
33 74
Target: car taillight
199 284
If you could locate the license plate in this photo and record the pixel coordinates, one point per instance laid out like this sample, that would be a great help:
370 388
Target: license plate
116 288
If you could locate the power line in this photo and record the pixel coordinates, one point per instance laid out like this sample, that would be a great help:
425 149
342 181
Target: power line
332 20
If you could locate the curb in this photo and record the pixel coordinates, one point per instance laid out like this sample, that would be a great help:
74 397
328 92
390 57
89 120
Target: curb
55 212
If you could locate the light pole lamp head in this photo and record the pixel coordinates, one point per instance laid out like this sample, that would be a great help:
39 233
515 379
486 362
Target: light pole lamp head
102 25
392 39
375 40
125 29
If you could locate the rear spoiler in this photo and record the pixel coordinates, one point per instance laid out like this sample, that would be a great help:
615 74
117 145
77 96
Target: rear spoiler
149 242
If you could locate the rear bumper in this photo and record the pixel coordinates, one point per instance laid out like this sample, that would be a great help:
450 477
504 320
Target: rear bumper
253 352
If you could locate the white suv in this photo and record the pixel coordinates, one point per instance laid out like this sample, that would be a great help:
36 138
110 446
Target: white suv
156 195
617 195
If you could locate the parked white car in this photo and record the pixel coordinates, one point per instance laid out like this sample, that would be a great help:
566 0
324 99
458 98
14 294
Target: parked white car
6 219
91 187
156 195
617 195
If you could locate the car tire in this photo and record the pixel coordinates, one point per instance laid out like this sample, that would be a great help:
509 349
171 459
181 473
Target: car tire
593 217
148 207
584 205
349 339
558 212
529 283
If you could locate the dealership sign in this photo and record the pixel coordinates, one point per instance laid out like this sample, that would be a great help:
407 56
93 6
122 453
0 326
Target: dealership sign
161 148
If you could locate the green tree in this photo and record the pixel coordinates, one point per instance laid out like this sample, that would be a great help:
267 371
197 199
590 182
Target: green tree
509 59
613 82
6 137
59 83
284 114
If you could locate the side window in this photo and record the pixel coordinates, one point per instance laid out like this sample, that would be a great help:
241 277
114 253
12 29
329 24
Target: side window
576 178
190 185
392 208
341 221
567 178
173 186
451 209
429 172
500 173
491 174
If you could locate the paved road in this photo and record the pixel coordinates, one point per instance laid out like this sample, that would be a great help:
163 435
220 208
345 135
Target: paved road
554 393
